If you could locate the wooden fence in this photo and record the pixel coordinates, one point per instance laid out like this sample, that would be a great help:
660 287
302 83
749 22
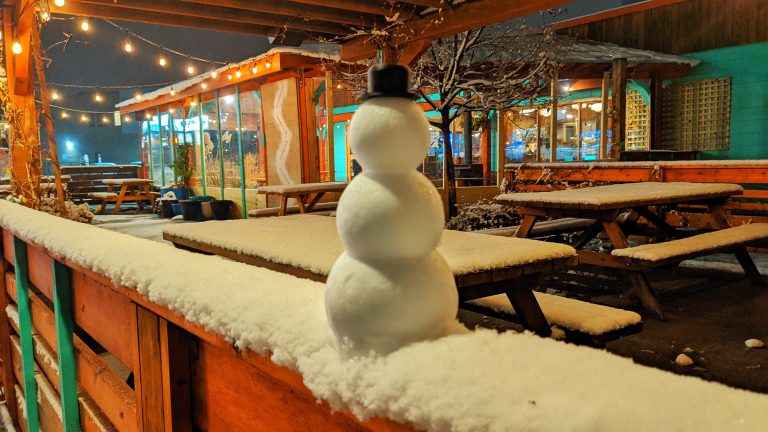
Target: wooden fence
752 206
86 179
102 358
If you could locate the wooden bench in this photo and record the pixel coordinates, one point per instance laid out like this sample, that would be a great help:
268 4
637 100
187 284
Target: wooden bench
320 208
544 228
87 179
728 240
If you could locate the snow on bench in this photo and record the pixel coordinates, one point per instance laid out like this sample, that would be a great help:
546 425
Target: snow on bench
273 211
544 228
589 318
477 380
103 195
302 187
695 246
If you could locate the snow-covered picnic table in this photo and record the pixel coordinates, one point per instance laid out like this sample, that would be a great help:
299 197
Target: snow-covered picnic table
307 195
308 245
616 208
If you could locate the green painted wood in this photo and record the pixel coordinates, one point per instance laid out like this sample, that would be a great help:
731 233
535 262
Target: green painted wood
221 145
240 154
65 327
202 144
21 270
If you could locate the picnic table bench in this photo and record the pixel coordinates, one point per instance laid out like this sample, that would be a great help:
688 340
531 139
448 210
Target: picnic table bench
615 208
308 245
307 195
131 189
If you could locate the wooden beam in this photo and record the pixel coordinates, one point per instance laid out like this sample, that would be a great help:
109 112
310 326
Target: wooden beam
657 97
619 98
553 122
449 21
578 133
100 11
501 158
221 13
604 116
294 9
437 4
538 136
329 121
413 51
363 6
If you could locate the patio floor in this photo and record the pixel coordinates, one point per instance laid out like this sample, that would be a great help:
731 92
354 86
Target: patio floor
711 310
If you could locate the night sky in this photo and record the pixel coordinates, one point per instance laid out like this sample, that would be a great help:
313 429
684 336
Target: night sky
97 58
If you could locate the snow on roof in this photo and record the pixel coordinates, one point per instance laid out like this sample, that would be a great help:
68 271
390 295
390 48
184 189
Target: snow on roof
469 381
311 242
589 51
319 51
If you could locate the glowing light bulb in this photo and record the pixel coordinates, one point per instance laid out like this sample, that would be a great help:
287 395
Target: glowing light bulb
238 74
127 119
138 96
268 65
59 3
16 47
193 103
55 96
104 119
190 69
83 118
204 86
85 25
338 86
255 69
229 77
147 116
98 97
173 92
162 61
128 46
214 74
64 115
45 16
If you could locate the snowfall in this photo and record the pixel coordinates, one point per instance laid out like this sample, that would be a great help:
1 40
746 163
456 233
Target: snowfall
468 381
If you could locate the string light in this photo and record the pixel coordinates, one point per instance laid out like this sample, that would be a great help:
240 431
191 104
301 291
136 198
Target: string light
83 118
16 47
173 92
162 61
229 76
59 3
64 115
98 97
268 64
238 73
127 44
190 69
45 16
255 69
138 96
85 25
204 86
127 119
214 74
55 96
147 115
105 119
193 103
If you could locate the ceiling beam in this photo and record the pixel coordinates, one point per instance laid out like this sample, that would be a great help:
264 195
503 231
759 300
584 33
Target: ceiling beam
292 9
437 4
363 6
461 17
221 13
99 11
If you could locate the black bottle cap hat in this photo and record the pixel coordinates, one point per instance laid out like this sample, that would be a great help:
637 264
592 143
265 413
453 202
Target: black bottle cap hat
388 80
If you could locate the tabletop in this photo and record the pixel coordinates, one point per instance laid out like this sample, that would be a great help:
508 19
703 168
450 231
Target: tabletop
302 188
312 243
126 181
623 195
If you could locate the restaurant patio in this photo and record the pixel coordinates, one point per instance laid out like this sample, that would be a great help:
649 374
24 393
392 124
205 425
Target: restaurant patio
437 215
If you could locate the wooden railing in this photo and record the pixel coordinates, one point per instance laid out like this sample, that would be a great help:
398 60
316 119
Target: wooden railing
752 206
102 357
86 179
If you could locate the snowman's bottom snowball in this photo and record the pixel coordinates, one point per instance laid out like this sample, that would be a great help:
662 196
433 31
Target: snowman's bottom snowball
383 305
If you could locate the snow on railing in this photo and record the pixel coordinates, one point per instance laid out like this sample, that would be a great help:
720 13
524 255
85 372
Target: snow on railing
468 381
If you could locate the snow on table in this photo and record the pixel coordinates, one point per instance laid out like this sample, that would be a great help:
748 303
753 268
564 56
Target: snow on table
469 381
302 188
623 195
311 242
711 241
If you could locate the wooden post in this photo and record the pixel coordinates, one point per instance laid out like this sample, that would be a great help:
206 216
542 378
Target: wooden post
312 160
148 376
331 125
657 98
538 136
553 122
578 133
604 116
5 341
65 329
29 385
486 146
467 132
619 97
176 360
501 158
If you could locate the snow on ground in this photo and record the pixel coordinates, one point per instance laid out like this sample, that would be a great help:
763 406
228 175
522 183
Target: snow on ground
469 381
702 242
622 193
312 243
148 227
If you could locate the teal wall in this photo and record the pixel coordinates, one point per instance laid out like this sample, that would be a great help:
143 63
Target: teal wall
340 151
747 65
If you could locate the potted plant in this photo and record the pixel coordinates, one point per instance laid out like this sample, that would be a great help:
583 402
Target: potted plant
182 171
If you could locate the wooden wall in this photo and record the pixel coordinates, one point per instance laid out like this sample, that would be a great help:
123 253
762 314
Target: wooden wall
690 26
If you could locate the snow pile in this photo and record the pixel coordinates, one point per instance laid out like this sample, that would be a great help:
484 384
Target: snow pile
311 242
303 187
589 318
623 194
701 243
469 381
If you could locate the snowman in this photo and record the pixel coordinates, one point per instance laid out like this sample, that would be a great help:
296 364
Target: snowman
390 287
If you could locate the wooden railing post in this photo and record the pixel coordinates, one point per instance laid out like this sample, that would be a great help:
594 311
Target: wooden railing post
148 376
5 341
65 327
25 334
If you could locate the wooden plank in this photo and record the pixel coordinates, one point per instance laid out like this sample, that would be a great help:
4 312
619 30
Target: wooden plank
603 152
148 374
25 333
5 340
176 362
553 121
40 270
65 328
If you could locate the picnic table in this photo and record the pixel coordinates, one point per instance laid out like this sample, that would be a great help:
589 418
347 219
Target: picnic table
614 209
131 189
307 246
307 195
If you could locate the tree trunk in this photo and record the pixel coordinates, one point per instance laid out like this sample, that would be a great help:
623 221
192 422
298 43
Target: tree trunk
467 138
450 174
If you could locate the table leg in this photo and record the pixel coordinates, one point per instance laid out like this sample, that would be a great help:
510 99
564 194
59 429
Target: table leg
642 289
588 234
283 205
314 201
528 310
300 200
615 234
526 226
657 221
120 199
750 269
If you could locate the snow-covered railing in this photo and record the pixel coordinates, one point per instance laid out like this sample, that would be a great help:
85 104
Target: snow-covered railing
752 206
215 344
